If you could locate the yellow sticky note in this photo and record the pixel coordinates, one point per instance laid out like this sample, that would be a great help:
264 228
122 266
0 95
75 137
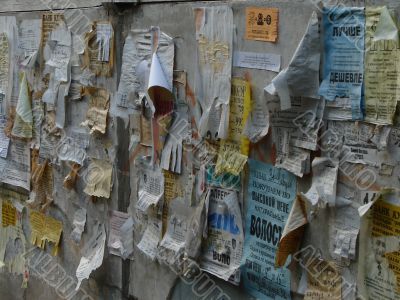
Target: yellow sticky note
262 24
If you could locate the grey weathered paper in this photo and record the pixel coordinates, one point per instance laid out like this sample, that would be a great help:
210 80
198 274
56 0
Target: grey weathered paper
323 187
78 224
214 33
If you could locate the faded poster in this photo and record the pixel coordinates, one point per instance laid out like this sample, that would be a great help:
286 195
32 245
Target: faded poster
214 33
344 57
223 248
382 62
379 256
271 192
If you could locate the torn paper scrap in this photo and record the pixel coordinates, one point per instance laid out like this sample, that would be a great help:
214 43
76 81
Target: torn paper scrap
292 233
8 214
230 160
262 24
98 178
223 247
301 77
93 253
257 124
239 110
271 192
99 49
57 53
23 122
45 228
173 188
362 210
29 33
382 67
120 238
50 21
162 102
324 280
78 224
17 167
149 242
151 188
343 76
99 104
6 84
386 28
324 180
302 122
214 33
254 60
171 157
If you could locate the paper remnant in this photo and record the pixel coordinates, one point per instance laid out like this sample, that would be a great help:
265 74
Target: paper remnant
45 228
149 242
29 41
301 77
23 122
223 247
99 104
262 24
99 49
214 33
323 187
271 192
260 61
327 284
378 258
4 140
79 225
93 253
120 239
230 160
344 76
8 214
382 67
151 188
16 170
292 233
99 178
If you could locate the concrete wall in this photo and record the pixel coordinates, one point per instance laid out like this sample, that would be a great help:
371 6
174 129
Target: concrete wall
141 278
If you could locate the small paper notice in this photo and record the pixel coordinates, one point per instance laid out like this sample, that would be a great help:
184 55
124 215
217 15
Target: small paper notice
45 228
99 178
260 61
262 24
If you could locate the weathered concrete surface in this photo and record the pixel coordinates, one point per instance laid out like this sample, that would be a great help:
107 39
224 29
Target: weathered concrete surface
141 278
